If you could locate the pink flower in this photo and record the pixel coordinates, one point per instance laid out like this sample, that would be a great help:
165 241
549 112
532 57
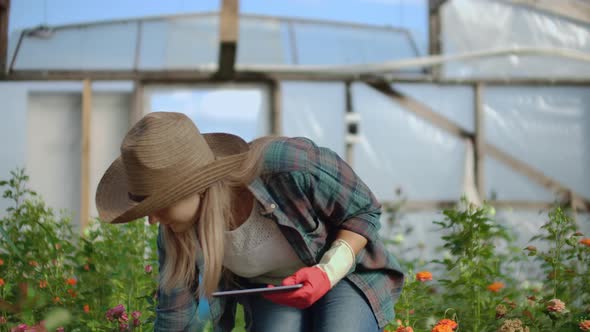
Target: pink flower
124 318
19 328
148 269
555 305
136 322
585 325
59 329
136 314
116 312
123 327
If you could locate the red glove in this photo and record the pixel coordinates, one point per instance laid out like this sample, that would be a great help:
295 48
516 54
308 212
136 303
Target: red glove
315 284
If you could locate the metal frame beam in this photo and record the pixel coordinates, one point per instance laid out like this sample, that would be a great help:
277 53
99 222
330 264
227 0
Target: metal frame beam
576 10
206 74
418 205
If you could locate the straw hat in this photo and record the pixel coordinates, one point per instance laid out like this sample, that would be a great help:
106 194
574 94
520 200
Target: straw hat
164 158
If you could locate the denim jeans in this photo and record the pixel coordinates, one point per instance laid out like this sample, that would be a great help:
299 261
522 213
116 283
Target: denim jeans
343 309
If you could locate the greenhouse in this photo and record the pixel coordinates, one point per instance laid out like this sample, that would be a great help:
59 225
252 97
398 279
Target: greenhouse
486 133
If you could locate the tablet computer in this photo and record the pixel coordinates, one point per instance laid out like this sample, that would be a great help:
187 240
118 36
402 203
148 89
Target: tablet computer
258 290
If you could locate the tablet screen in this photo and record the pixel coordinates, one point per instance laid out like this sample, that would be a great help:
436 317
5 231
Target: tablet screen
258 290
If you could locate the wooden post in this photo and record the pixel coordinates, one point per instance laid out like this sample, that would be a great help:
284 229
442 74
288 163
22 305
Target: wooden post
434 32
4 14
275 108
228 37
349 145
136 112
85 169
479 146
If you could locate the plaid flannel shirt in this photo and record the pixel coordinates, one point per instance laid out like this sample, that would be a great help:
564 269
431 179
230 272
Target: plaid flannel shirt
311 193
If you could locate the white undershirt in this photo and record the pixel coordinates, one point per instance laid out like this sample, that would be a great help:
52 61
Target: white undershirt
257 250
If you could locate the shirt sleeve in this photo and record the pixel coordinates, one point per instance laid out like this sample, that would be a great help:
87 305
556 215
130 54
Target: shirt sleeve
339 196
176 310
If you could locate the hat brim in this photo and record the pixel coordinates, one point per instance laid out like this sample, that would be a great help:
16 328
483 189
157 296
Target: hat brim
112 195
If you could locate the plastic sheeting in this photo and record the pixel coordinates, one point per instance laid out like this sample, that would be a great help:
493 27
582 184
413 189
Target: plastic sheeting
546 127
315 111
319 44
454 102
261 41
178 43
92 47
238 109
399 150
469 25
503 183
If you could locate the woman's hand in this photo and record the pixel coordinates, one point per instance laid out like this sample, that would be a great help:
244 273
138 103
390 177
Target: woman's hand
315 284
318 279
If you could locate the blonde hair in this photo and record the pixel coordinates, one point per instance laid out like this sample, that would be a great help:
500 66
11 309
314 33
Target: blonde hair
215 218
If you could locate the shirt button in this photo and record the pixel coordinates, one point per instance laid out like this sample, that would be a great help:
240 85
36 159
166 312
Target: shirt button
273 206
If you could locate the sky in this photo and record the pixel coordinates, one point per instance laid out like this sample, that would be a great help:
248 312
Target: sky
411 14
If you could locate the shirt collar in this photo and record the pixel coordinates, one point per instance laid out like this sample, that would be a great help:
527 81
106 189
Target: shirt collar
262 196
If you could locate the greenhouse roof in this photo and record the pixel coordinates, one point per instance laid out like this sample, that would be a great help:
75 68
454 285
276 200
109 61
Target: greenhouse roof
191 42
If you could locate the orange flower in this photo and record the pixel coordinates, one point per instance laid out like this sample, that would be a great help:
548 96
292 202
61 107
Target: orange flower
86 308
585 325
43 284
1 282
496 286
1 262
33 263
71 281
56 299
555 305
448 322
86 267
423 276
585 241
442 328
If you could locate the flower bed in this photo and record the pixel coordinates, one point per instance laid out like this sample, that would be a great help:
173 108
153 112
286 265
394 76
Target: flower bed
105 279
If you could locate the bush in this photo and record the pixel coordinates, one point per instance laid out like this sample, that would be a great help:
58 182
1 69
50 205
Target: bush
50 273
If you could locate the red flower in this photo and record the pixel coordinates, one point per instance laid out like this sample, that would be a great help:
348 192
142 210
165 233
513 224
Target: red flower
86 308
404 329
585 241
1 262
43 284
495 287
423 276
1 282
71 281
72 293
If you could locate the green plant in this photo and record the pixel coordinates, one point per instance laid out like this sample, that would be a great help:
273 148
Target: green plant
45 266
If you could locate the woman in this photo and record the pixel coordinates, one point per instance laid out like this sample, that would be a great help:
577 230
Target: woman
277 211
